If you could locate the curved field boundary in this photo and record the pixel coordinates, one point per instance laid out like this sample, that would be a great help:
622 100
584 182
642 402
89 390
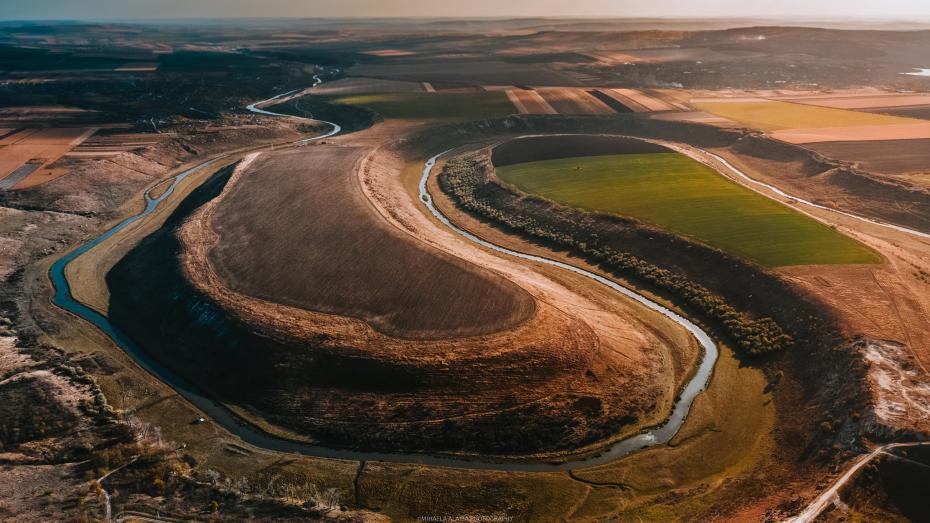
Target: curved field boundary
698 383
745 177
682 195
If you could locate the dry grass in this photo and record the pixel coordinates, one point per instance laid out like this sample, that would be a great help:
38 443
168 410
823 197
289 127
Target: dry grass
640 100
568 100
332 255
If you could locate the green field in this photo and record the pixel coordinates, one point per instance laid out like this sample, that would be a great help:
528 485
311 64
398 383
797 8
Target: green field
773 115
684 196
434 106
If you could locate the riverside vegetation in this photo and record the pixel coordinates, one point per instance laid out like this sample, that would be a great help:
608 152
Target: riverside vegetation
463 178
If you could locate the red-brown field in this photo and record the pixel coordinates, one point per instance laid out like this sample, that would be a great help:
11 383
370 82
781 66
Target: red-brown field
529 102
25 155
571 101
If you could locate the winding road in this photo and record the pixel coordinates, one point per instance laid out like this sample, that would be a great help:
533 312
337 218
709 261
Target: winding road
830 496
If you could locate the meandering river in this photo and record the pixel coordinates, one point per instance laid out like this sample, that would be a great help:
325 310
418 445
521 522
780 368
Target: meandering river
223 417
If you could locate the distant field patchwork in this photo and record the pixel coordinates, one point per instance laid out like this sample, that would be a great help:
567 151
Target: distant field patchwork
435 106
677 193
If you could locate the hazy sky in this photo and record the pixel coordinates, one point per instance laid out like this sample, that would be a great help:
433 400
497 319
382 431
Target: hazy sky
123 9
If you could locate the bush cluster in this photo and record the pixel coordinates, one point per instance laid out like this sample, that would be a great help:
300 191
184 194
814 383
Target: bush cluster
466 180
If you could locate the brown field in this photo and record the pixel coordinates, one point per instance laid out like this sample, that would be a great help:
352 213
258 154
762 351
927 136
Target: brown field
40 147
359 85
855 133
642 100
102 145
629 102
909 111
571 101
614 57
529 102
907 159
394 294
695 117
862 101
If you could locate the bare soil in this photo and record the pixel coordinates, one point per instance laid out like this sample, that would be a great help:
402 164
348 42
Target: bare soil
332 256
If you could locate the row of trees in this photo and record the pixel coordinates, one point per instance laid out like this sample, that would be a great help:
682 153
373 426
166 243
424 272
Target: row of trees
466 179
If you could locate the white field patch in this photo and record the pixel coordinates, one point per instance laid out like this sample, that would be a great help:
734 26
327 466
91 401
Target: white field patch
900 387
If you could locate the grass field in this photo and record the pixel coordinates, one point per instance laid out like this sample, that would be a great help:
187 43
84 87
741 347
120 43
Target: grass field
679 194
435 106
772 115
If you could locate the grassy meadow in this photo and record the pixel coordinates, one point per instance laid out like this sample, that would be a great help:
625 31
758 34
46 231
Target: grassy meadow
774 116
434 106
684 196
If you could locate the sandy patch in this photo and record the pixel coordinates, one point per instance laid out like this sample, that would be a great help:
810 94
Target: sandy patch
900 388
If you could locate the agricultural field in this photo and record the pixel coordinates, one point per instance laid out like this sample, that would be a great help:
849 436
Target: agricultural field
434 106
26 155
679 194
907 111
891 157
640 101
570 101
354 85
528 101
223 311
771 115
862 101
